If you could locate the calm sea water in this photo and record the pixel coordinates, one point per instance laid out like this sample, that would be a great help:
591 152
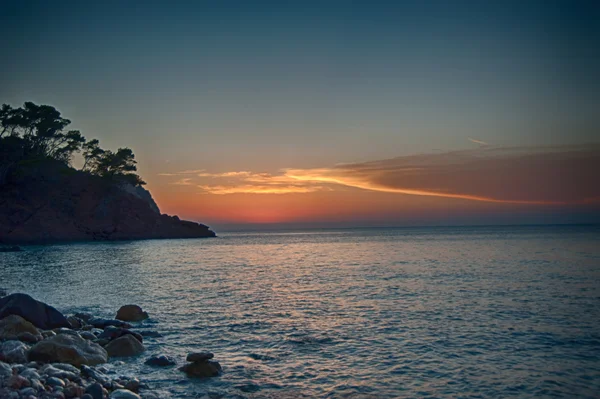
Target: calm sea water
374 313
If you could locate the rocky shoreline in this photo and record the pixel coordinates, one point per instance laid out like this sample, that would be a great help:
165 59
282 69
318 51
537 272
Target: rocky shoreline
45 354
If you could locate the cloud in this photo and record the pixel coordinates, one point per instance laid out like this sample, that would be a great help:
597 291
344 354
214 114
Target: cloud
520 175
472 140
558 175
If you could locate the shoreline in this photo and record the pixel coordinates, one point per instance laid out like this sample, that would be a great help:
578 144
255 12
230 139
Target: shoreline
45 354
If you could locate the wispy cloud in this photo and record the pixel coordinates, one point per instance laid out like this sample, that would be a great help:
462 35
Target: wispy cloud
519 175
480 142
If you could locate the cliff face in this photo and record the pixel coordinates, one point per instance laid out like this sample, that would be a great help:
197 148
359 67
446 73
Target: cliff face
59 204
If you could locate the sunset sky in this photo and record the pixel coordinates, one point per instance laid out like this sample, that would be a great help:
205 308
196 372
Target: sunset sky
329 113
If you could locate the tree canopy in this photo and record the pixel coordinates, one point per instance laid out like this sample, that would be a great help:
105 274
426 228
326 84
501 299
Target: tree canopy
39 132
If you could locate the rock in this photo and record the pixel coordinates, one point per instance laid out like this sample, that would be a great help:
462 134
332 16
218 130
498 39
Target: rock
124 394
73 391
5 370
83 316
54 381
126 345
87 335
66 367
17 382
88 396
29 337
30 373
3 292
95 391
94 374
133 385
38 313
199 356
202 369
150 334
13 248
75 322
68 331
69 349
14 325
103 323
131 313
52 371
160 360
27 392
13 352
112 332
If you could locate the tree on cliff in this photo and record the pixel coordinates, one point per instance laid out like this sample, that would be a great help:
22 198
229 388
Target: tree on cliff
36 133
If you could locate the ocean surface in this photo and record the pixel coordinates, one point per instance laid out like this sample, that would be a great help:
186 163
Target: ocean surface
456 312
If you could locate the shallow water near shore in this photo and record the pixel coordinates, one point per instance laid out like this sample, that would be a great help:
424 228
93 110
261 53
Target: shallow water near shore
357 313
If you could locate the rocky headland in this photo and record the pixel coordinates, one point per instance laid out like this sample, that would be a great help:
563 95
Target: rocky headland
44 354
51 202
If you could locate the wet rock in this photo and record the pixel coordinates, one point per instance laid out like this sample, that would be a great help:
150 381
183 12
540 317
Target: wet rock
83 316
54 381
51 371
199 356
13 352
95 391
14 325
94 374
69 349
103 323
124 394
150 334
202 369
29 337
27 392
126 345
112 332
133 385
88 396
5 370
87 335
30 374
149 395
75 322
67 331
131 313
66 367
73 391
160 360
17 382
38 313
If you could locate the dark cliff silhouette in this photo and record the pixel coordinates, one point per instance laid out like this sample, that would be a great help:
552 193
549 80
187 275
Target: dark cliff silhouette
43 199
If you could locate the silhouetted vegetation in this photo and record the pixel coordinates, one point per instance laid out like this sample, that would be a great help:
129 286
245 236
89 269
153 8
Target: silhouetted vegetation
38 133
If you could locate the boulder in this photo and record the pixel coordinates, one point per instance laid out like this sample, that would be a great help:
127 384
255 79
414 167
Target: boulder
112 332
38 313
103 323
64 348
95 391
13 352
126 345
124 394
202 369
160 360
131 313
14 326
199 356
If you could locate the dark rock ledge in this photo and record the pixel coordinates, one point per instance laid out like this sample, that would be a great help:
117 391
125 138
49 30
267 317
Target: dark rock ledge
44 354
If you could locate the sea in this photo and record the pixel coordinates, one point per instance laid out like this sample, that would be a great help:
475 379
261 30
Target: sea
440 312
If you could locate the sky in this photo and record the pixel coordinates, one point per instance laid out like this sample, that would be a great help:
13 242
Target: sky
330 113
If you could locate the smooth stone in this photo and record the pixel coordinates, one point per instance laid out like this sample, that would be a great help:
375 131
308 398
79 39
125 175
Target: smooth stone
133 385
131 313
29 337
13 352
30 374
124 346
17 382
66 367
54 381
51 371
88 396
14 325
94 390
112 332
87 335
25 392
69 349
124 394
207 368
75 322
66 331
5 370
38 313
103 323
83 316
160 360
94 374
73 391
199 356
